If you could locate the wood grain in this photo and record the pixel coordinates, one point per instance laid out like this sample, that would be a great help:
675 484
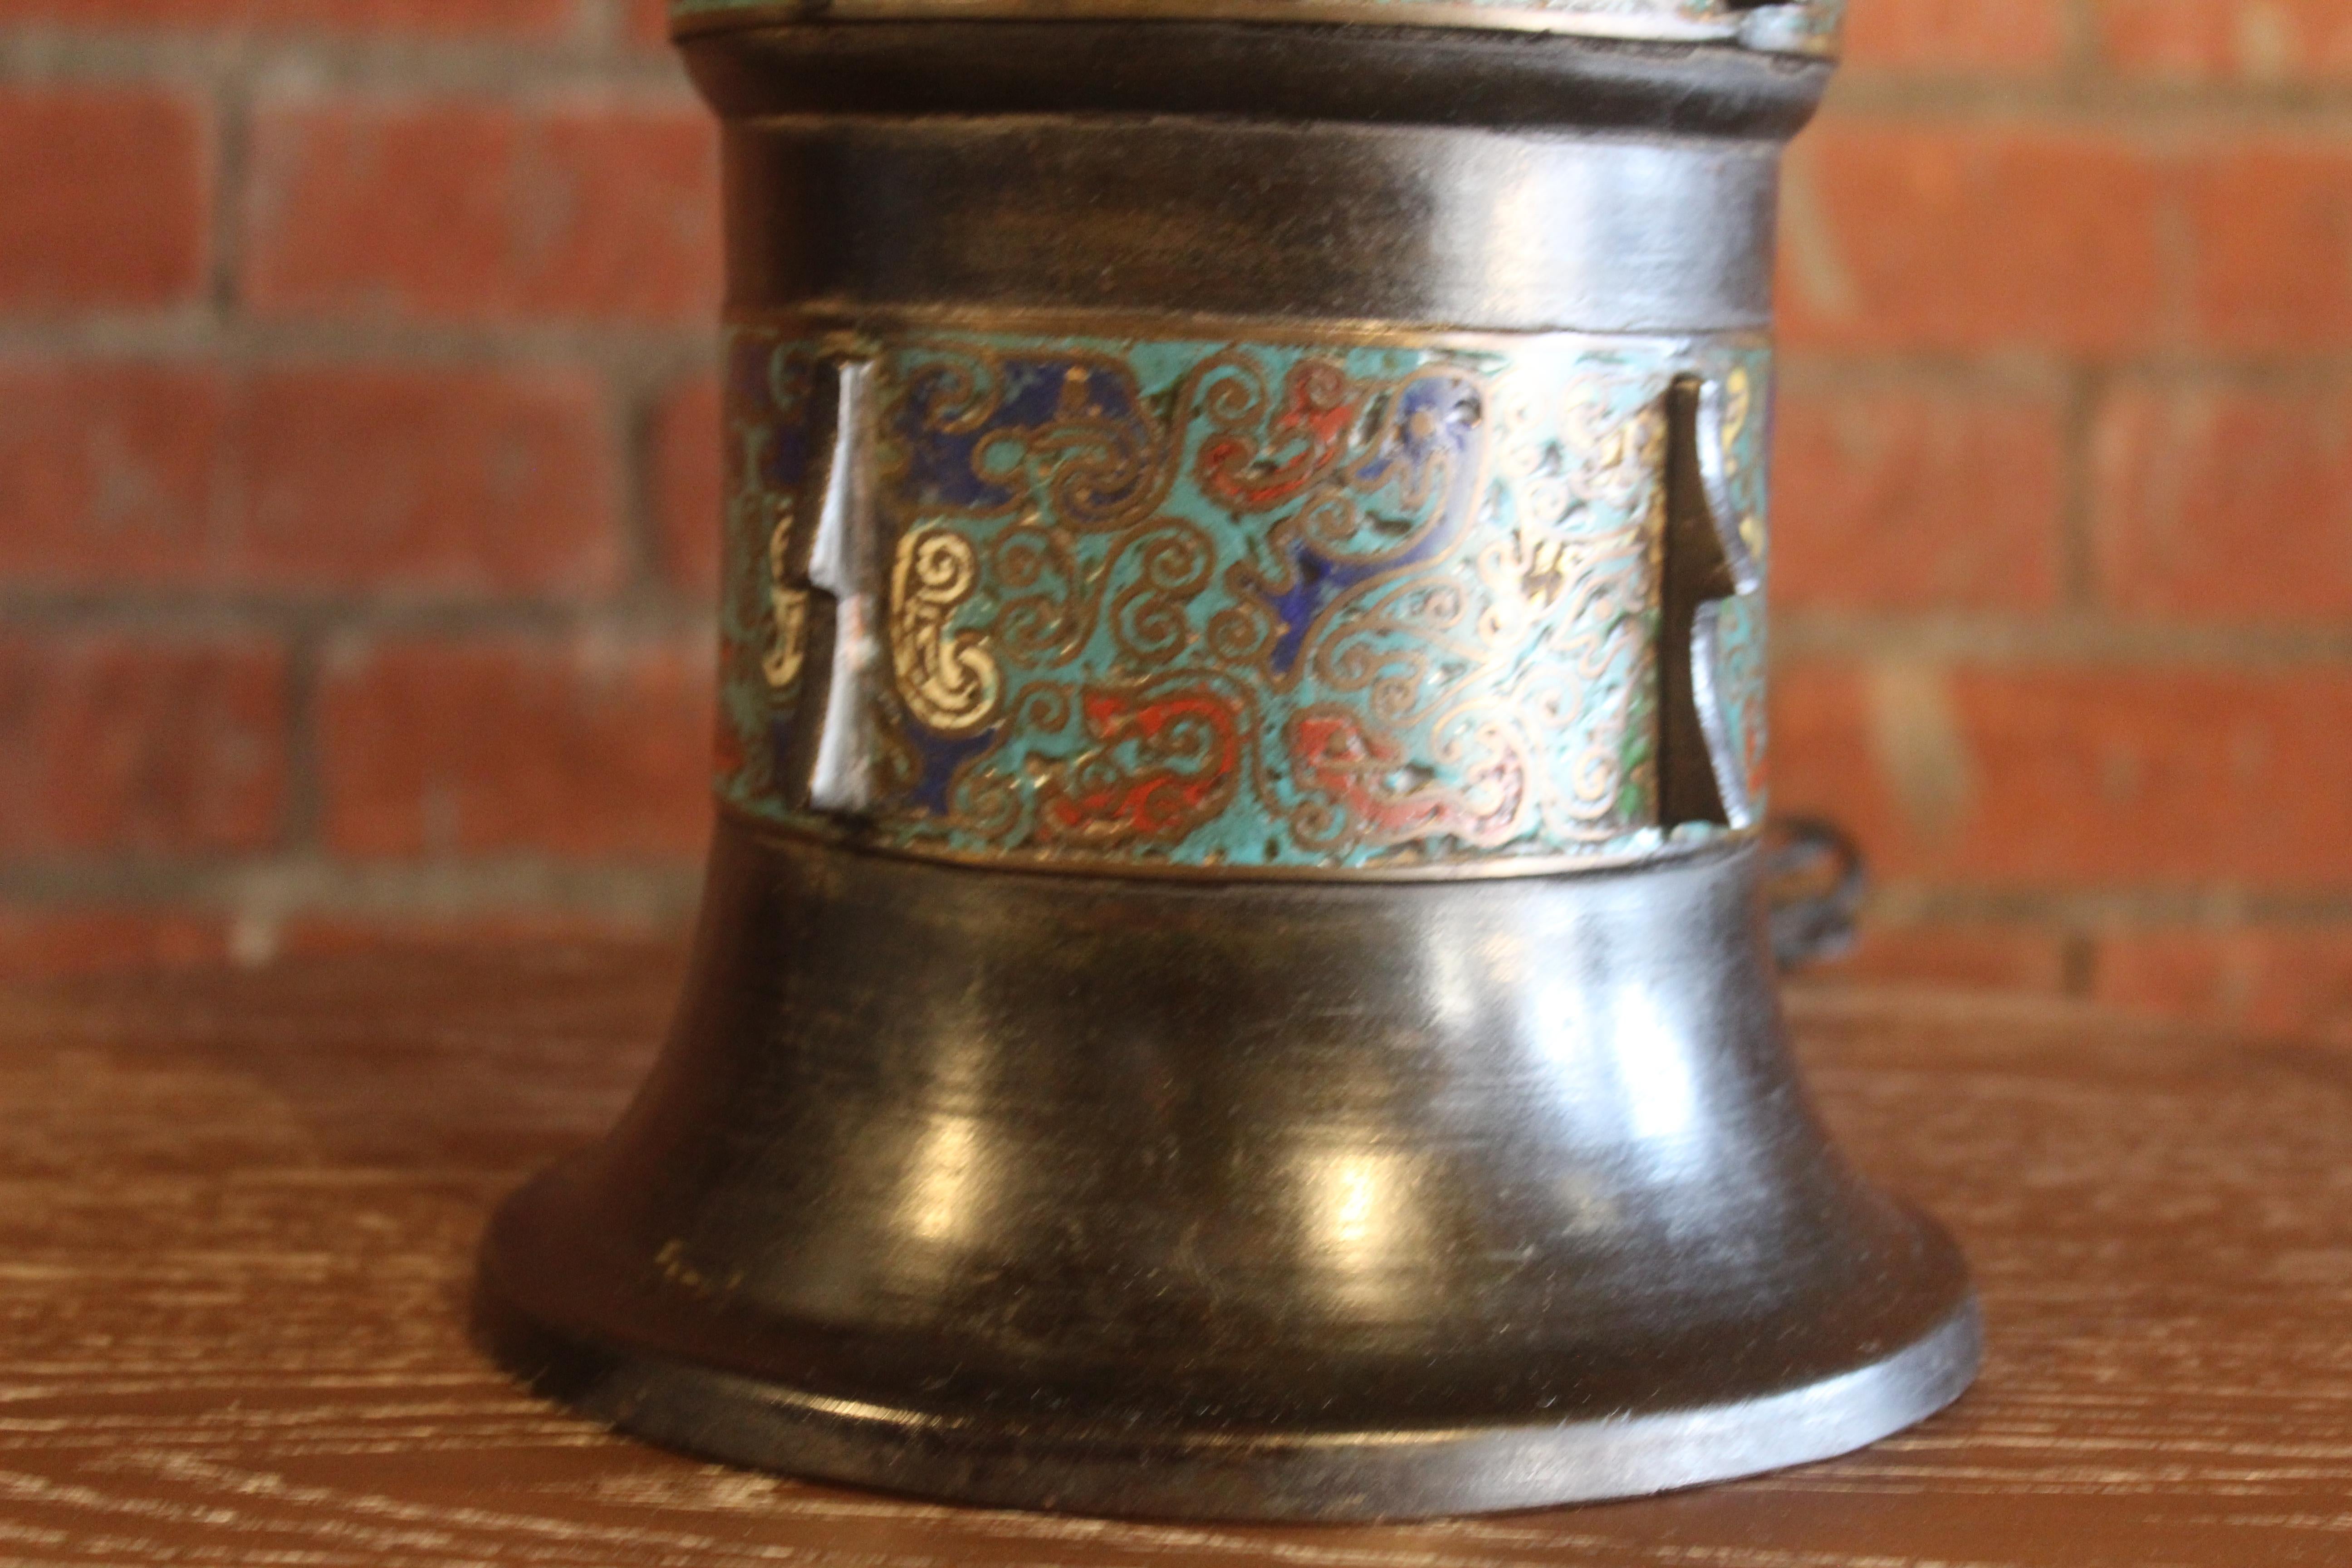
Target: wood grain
237 1212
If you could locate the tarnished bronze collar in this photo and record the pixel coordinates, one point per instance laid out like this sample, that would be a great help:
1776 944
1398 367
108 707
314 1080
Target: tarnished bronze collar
1807 28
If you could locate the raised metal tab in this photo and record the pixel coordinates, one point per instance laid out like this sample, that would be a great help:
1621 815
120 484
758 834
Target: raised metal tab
837 562
1707 561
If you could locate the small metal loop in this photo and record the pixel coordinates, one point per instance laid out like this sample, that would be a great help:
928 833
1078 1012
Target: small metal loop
1815 880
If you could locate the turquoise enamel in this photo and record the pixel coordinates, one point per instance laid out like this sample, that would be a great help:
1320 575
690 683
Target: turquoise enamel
1253 603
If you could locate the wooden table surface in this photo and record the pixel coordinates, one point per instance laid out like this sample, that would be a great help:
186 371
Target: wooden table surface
236 1214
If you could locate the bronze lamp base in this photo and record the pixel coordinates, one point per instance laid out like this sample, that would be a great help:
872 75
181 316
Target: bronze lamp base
1232 981
1237 1201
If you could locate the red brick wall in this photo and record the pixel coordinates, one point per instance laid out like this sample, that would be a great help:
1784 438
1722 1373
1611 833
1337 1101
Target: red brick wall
356 484
2065 519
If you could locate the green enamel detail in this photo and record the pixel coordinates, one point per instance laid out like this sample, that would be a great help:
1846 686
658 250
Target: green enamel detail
1254 604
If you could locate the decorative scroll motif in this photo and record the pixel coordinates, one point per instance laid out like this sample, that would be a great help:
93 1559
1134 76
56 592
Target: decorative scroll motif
788 637
946 677
1284 606
1801 26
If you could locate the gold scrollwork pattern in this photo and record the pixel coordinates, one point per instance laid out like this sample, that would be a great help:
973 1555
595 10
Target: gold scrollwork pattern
787 607
946 677
1280 603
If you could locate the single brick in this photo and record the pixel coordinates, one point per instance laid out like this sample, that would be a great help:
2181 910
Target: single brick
140 744
1914 497
1950 36
1965 238
1952 957
2277 981
446 481
2222 40
2062 776
588 747
104 195
2218 503
38 943
443 481
457 19
112 474
478 209
2271 227
687 496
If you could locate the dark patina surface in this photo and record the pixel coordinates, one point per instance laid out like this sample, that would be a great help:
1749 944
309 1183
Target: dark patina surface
1019 1140
1251 1201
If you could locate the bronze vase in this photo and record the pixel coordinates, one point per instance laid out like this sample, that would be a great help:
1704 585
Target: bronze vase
1232 981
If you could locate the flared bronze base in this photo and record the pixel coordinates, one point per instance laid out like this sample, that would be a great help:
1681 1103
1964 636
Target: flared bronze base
1332 1477
1237 1201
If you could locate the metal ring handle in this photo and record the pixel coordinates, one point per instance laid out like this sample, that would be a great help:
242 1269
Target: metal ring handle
1815 881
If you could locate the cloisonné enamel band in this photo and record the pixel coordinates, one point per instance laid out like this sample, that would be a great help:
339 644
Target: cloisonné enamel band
1268 600
1809 27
